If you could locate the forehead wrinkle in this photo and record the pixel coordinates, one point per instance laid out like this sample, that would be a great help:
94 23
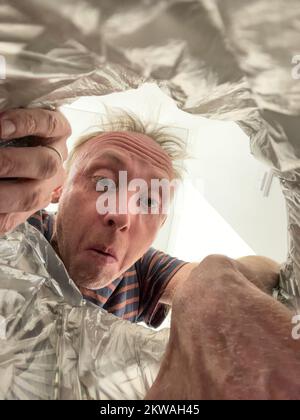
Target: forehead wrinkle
140 152
120 161
156 154
139 145
136 145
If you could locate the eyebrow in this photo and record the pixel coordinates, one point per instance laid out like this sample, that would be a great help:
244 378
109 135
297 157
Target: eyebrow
117 161
110 156
115 157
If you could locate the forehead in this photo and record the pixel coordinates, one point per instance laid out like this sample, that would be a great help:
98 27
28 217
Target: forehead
126 150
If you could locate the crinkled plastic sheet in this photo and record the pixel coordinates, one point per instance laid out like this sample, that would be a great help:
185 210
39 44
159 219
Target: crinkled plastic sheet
55 345
223 59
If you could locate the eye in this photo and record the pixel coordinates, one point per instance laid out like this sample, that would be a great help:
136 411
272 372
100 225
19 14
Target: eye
105 185
149 202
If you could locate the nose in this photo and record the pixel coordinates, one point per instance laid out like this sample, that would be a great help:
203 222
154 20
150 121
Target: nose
117 221
121 219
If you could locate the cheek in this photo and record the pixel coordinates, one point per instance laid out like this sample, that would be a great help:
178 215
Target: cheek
75 209
145 232
76 199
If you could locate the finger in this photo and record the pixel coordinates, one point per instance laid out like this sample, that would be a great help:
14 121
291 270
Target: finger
61 146
32 163
19 123
8 222
26 195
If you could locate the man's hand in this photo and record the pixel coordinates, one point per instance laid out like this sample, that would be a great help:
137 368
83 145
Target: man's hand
263 272
39 170
229 340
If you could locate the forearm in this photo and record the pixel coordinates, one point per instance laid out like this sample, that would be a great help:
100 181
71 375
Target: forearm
229 340
261 271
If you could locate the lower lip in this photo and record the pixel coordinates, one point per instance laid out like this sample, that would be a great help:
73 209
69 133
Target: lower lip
103 258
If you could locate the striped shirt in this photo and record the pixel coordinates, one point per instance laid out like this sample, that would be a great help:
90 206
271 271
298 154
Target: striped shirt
136 295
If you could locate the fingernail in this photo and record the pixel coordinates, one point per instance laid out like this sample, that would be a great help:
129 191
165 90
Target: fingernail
7 128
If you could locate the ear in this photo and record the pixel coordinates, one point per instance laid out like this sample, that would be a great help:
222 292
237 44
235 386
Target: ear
56 194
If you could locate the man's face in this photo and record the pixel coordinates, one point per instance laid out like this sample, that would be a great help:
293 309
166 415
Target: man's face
98 247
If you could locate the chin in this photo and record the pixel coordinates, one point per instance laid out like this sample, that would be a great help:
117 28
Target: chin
91 280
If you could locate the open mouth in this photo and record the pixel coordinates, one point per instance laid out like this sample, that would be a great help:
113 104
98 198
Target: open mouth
108 257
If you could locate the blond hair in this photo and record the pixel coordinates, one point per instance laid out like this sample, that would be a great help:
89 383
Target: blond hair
122 120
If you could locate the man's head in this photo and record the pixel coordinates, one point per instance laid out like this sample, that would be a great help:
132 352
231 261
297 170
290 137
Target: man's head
99 246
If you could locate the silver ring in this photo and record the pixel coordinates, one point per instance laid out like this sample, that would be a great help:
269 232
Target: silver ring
57 152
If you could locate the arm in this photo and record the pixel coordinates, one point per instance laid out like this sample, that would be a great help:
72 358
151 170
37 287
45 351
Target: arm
261 271
231 341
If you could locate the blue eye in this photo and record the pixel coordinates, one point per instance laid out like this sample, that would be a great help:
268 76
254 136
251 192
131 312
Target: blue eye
105 185
149 203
